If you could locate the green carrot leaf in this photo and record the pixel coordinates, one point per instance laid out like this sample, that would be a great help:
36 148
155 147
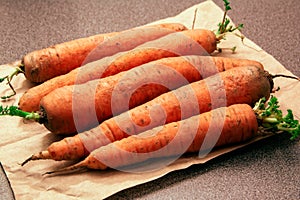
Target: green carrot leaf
226 4
15 111
18 70
224 27
271 117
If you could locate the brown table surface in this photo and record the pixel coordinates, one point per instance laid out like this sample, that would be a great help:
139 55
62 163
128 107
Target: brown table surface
268 169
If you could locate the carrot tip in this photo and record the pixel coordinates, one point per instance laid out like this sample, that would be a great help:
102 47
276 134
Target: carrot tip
285 76
67 170
70 169
47 173
38 156
26 161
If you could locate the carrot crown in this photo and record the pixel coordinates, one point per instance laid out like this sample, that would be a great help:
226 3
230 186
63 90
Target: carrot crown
271 118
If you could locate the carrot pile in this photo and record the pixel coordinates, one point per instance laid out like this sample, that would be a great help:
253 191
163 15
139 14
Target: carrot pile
146 93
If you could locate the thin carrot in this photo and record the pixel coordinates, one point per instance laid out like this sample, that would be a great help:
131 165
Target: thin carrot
111 95
44 64
200 133
234 124
189 42
237 85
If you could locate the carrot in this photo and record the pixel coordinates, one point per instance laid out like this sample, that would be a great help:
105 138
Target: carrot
189 42
111 95
200 133
237 85
44 64
222 126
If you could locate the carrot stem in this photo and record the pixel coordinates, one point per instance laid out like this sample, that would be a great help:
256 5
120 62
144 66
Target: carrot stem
232 49
18 70
225 27
14 111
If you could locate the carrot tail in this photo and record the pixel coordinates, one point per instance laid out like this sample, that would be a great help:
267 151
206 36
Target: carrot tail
285 76
38 156
271 77
70 169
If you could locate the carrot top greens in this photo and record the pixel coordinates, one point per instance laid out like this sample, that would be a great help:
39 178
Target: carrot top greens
224 26
9 77
271 118
14 111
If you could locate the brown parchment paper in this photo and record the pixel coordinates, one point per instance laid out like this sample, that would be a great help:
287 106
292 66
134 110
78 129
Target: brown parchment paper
19 138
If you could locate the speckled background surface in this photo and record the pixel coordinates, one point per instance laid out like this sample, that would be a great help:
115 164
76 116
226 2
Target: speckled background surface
268 169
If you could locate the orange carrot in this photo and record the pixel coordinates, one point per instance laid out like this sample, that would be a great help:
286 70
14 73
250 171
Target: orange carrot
112 95
201 133
237 85
189 42
204 132
44 64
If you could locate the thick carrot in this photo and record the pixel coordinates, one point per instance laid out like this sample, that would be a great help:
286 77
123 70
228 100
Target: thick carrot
237 85
189 42
112 95
204 132
44 64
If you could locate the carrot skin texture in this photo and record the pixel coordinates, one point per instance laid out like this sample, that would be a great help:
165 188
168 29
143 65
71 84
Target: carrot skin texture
248 82
237 123
171 72
69 149
189 42
242 85
44 64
